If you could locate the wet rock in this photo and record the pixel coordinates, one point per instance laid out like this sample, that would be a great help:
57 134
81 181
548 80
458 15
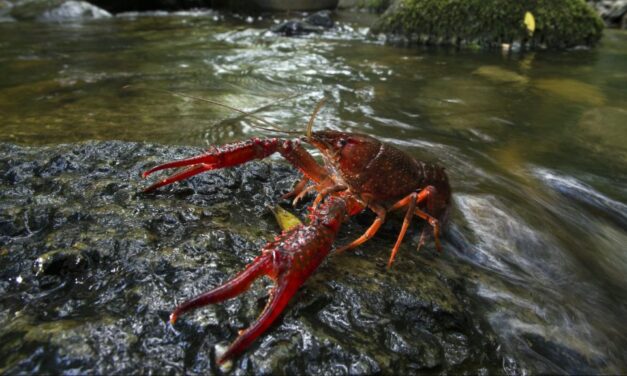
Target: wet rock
613 12
5 10
323 19
295 27
559 24
90 270
315 23
57 11
60 262
74 10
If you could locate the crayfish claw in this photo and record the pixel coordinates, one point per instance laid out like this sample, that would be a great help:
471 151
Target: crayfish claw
278 300
289 261
186 173
260 266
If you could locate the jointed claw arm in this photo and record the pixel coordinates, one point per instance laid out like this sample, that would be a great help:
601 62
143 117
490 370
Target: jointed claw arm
238 153
289 261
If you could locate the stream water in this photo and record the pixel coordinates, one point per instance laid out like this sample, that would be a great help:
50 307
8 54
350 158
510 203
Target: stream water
535 144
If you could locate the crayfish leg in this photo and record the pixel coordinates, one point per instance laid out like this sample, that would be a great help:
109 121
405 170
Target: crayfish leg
262 265
299 191
370 232
433 222
326 188
424 196
411 206
428 195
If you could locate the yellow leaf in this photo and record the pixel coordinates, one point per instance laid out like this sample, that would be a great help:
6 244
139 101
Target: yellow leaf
530 22
285 219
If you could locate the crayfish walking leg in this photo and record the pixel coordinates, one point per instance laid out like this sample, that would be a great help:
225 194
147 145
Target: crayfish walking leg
289 261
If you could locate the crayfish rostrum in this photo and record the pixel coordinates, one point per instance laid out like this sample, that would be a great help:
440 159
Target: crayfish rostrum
359 172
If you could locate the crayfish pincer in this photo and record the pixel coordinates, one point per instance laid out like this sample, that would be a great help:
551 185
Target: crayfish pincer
359 172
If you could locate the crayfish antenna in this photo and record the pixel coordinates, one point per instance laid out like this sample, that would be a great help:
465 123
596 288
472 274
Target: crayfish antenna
230 289
313 117
251 114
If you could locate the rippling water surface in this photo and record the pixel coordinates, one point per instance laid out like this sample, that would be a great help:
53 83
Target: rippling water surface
535 145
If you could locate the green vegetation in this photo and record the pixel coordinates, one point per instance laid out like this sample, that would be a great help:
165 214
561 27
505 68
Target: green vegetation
559 23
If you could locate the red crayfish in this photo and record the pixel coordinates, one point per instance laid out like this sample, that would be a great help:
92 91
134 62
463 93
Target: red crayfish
359 172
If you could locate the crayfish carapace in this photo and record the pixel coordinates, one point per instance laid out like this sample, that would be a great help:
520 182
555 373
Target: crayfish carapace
359 172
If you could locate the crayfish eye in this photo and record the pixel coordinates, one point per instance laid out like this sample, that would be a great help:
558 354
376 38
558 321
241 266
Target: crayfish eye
341 142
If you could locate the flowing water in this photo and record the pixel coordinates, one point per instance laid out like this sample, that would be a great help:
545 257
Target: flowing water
535 144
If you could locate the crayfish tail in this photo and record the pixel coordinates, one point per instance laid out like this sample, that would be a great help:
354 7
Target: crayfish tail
230 289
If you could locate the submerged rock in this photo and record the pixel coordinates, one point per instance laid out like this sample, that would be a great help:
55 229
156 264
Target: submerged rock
498 74
90 270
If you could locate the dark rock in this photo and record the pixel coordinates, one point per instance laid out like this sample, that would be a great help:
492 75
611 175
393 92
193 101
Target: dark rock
90 270
295 27
323 19
314 23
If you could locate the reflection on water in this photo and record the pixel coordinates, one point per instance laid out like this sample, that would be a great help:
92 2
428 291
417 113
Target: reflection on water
536 146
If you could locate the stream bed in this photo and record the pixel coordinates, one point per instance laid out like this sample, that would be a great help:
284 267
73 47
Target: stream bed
532 277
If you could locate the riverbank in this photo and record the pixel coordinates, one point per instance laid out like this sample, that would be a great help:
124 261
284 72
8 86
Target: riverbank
556 24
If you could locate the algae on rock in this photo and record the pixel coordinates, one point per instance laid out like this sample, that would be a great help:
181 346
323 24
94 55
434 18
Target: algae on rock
491 23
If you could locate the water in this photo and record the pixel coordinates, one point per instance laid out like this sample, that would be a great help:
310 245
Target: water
535 145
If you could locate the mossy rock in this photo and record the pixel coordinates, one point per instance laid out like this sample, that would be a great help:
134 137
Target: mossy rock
490 23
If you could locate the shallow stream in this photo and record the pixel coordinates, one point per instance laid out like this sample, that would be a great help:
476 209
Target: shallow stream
535 144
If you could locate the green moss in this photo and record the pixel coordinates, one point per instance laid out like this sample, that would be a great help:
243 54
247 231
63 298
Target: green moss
559 23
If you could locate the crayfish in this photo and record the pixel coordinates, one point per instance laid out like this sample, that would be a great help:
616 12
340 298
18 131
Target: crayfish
359 172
